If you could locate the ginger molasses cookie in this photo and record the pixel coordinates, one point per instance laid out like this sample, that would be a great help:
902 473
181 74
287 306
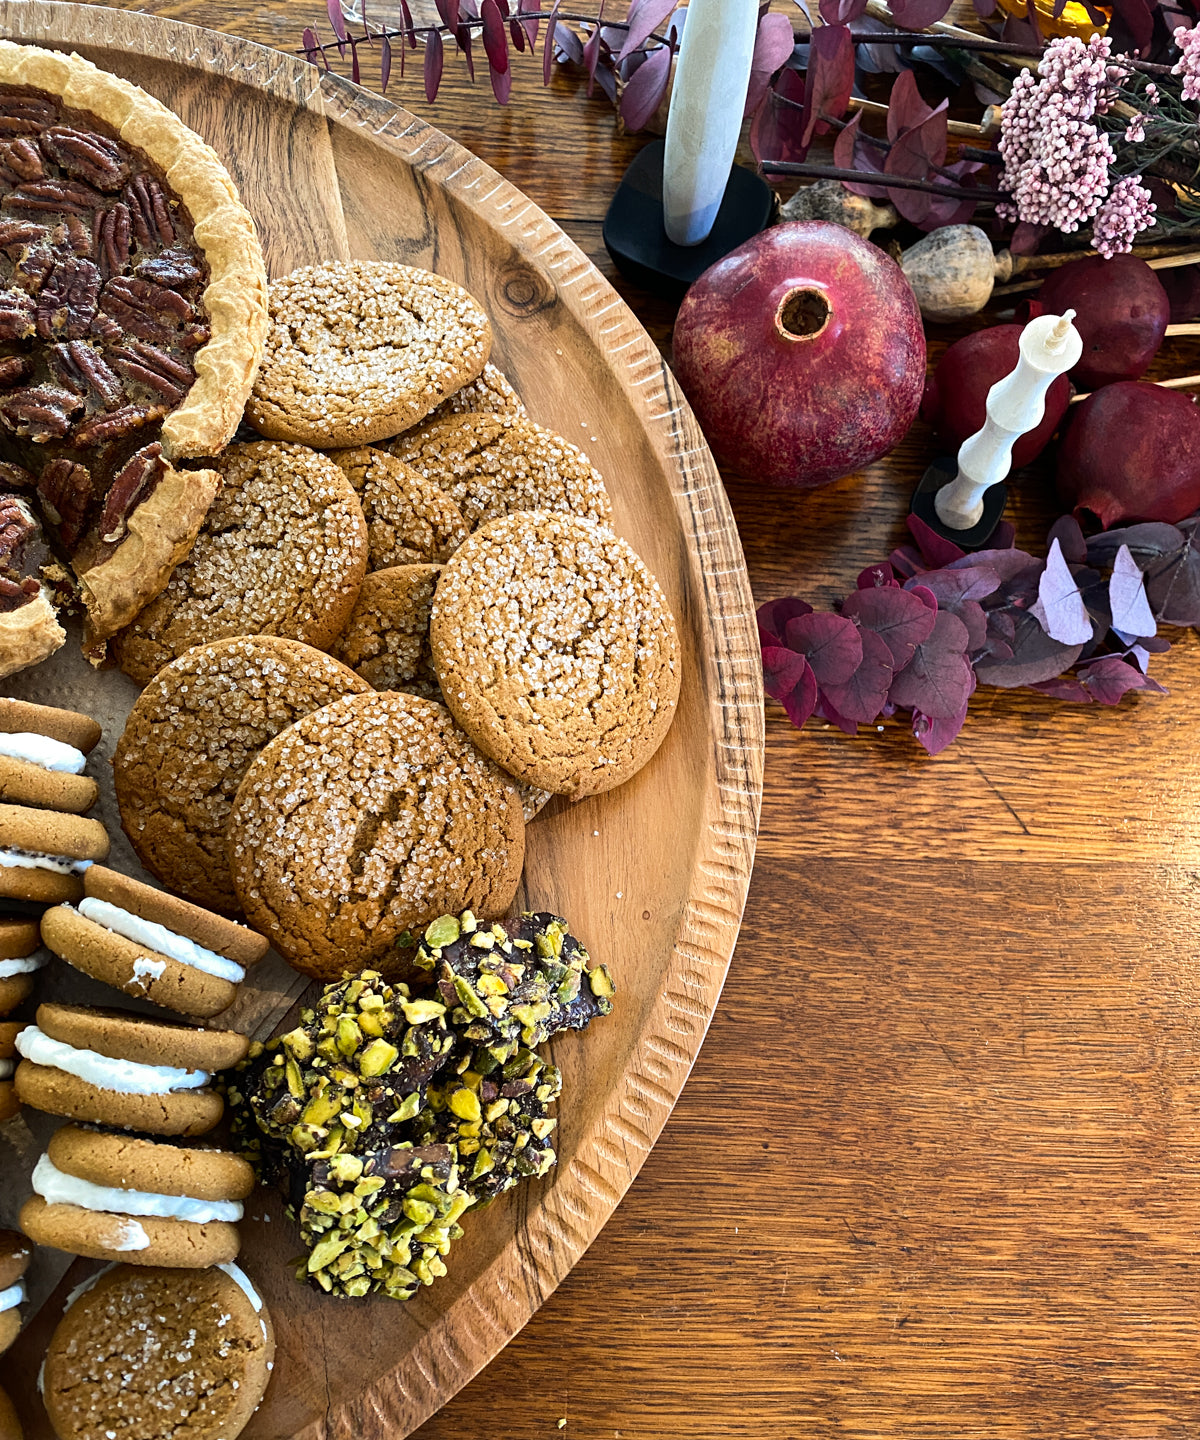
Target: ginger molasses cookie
159 1354
409 518
556 651
387 639
9 1104
152 945
43 854
191 735
364 820
282 552
360 350
105 1067
15 1255
490 393
42 755
491 465
20 957
112 1196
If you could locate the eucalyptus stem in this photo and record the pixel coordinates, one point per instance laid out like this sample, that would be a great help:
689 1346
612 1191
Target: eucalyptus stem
880 179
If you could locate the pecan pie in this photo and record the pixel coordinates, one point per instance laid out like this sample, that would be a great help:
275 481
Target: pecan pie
132 319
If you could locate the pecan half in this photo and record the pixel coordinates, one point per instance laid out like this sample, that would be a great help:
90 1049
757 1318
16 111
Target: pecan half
77 366
148 365
33 267
26 114
136 482
100 429
20 552
112 239
64 197
173 268
15 477
77 235
149 311
14 369
68 300
87 156
20 232
107 329
152 223
17 312
21 159
65 490
40 412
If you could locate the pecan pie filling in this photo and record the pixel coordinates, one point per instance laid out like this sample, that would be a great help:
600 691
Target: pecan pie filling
101 314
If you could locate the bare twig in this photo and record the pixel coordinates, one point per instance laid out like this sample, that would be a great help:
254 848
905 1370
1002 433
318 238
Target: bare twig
878 178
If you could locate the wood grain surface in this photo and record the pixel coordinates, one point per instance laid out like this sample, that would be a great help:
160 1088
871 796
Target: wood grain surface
934 1175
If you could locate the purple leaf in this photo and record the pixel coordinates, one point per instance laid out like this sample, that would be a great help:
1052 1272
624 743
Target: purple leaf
409 28
1035 656
965 582
530 25
830 79
773 617
501 84
938 679
783 670
548 51
853 151
1147 542
337 19
1007 564
1062 687
778 122
645 16
897 617
913 155
863 696
829 712
841 12
926 596
934 732
920 14
448 10
1127 596
643 95
773 46
518 35
462 38
495 41
831 643
355 72
385 64
936 550
1067 532
1060 608
1109 678
308 38
906 109
801 703
1173 585
433 64
877 577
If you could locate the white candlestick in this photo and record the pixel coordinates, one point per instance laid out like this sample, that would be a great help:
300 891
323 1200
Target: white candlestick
1050 346
712 75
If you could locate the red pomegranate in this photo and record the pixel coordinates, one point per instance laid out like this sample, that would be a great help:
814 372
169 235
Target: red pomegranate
802 353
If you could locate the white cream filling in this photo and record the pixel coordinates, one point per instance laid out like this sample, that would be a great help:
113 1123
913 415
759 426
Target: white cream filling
157 937
6 1069
22 966
41 750
126 1077
56 1187
13 1296
35 860
243 1280
130 1236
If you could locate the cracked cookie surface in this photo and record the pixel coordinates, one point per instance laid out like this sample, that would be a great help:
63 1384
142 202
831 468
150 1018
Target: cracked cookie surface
386 641
366 819
410 520
492 465
556 650
189 740
283 551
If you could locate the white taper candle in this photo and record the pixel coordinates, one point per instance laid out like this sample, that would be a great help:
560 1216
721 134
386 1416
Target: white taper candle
712 75
1050 346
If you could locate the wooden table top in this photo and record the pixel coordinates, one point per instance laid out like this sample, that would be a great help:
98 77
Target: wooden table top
934 1174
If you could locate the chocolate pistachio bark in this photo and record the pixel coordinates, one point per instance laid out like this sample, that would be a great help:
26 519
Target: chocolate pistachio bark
385 1115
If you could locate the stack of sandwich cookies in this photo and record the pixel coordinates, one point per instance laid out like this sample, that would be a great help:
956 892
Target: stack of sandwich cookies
20 957
15 1254
159 1354
42 755
149 1202
153 945
9 1104
43 854
107 1068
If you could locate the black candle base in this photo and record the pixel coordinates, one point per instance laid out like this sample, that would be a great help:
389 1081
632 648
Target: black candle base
941 473
635 238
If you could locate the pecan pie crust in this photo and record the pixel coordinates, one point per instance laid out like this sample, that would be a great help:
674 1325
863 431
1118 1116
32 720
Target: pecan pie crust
152 511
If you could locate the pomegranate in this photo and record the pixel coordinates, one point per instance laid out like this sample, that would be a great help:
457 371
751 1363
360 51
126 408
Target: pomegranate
1132 452
802 354
955 400
1121 312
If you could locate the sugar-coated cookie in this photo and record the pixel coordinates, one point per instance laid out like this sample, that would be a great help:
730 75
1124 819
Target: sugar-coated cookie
491 465
196 1349
150 1202
152 945
43 854
105 1067
359 350
364 820
490 393
282 552
15 1255
42 755
410 519
556 650
386 641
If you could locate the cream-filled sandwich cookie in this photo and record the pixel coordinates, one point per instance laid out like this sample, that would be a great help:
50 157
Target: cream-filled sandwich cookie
150 944
193 1350
42 755
20 959
144 1201
9 1104
109 1068
43 854
15 1255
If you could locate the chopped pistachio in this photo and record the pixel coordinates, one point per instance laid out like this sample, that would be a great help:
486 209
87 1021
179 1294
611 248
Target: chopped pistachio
441 932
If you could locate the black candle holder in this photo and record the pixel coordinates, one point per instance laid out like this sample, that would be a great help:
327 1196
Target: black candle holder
943 470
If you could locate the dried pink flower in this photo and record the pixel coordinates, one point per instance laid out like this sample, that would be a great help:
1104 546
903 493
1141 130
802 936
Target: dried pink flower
1128 210
1135 131
1188 64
